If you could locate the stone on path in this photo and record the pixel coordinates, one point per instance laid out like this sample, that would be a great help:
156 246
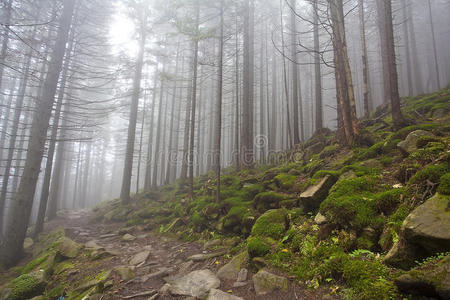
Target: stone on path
266 282
202 257
196 284
212 244
215 294
124 272
140 258
128 237
92 245
320 219
242 275
107 235
231 270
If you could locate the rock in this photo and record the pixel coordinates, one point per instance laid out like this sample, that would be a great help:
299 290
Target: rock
175 224
108 235
97 283
232 268
140 258
124 272
215 294
196 284
163 271
425 232
430 281
92 245
314 195
242 275
212 243
238 284
128 237
101 254
409 145
313 149
202 257
68 248
348 175
259 262
25 286
266 282
27 243
320 219
126 230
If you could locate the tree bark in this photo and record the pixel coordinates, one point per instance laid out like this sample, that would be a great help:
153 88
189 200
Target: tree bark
365 65
317 70
11 247
436 64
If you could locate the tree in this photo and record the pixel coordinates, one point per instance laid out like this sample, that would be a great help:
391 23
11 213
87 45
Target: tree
433 39
128 167
384 10
317 71
365 64
11 247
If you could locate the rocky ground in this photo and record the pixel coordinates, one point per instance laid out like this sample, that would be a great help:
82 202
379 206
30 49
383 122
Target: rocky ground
159 267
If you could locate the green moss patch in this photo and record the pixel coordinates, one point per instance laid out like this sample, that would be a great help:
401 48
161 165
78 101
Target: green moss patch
267 200
273 223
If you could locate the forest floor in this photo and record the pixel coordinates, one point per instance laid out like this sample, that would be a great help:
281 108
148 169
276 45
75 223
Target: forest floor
168 256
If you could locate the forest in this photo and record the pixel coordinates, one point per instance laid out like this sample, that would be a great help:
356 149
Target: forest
224 149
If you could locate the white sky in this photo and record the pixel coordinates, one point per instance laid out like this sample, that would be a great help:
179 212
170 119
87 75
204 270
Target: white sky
122 31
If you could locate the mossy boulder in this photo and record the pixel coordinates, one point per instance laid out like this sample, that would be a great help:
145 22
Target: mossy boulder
68 248
285 182
124 272
26 286
409 145
258 246
444 186
267 200
273 223
430 280
314 195
239 219
266 282
425 232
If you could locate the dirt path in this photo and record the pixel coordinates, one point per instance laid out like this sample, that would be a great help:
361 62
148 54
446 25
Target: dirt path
168 257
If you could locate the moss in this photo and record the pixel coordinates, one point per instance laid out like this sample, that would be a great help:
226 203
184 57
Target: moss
351 204
422 141
444 186
430 152
273 223
432 173
322 173
329 151
402 133
364 242
257 246
267 200
234 219
386 202
250 191
63 266
285 181
25 286
35 263
55 293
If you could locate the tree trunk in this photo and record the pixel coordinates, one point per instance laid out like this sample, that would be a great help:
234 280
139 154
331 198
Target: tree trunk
158 132
128 166
11 247
317 71
436 65
365 65
5 41
297 105
415 57
148 167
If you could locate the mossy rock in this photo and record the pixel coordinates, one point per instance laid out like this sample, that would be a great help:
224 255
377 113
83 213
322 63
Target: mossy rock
267 200
238 219
444 186
314 195
68 248
266 282
27 286
273 223
118 214
386 202
432 173
251 190
231 270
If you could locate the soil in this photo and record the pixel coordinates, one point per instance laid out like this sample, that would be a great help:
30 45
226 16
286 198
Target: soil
165 252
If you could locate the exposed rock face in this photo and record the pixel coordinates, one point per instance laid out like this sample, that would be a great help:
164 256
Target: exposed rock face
215 294
68 248
232 268
266 282
139 258
425 232
25 286
431 281
196 284
409 145
314 195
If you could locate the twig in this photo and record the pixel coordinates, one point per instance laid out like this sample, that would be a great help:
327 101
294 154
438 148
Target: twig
148 293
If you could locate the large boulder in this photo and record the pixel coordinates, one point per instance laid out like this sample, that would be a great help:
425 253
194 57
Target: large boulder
266 282
196 284
231 270
431 280
68 248
425 232
409 144
215 294
314 195
25 286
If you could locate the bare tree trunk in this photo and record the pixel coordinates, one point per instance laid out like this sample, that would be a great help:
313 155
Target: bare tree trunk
138 175
237 115
407 48
158 132
5 41
296 102
86 170
7 112
415 57
128 166
194 98
317 73
163 144
11 247
77 177
187 118
52 143
383 51
148 167
218 126
436 65
365 65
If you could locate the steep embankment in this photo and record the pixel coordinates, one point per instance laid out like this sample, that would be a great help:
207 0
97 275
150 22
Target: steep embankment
371 222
